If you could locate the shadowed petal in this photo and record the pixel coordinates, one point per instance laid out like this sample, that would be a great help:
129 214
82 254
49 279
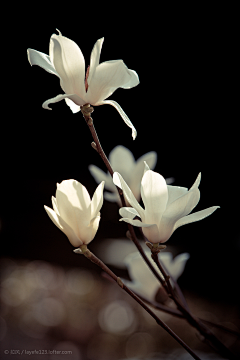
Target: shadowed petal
128 212
99 175
94 59
122 160
38 58
97 200
199 215
64 227
118 180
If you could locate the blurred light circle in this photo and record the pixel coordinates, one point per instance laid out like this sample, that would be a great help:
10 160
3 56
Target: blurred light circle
117 317
80 282
139 345
49 312
13 291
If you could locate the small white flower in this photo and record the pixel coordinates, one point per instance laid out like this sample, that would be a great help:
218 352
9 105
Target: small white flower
66 61
143 282
74 213
122 161
166 207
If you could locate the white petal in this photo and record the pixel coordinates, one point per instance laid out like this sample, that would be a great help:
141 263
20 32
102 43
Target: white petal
54 204
144 163
174 192
112 197
74 206
108 77
97 200
183 205
122 160
199 215
128 212
122 113
93 227
38 58
197 182
60 97
94 59
99 175
178 264
118 180
154 195
75 108
69 63
64 227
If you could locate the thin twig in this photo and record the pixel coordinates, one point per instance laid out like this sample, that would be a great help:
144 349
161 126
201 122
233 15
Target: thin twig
86 252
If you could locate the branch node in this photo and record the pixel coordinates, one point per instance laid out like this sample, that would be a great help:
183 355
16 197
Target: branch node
120 283
94 146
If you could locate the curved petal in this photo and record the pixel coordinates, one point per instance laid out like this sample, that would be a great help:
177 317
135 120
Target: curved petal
99 175
128 212
54 204
174 192
112 197
196 183
199 215
177 265
74 205
64 227
122 113
122 160
154 195
94 59
69 63
183 205
137 223
97 200
134 80
108 77
118 180
38 58
60 97
138 171
93 228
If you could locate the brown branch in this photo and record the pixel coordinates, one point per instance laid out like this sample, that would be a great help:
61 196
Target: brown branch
86 252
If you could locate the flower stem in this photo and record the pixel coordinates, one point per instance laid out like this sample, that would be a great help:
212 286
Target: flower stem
86 252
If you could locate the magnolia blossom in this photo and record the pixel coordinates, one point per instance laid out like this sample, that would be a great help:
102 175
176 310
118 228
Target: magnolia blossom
66 61
166 207
74 213
143 281
122 161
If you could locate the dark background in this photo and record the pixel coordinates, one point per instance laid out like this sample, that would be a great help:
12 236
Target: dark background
183 109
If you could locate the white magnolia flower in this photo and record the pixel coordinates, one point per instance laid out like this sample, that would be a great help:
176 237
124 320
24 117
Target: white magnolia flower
67 62
143 282
166 207
122 161
74 213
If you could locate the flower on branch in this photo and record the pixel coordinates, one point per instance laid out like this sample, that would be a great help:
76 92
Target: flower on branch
167 207
66 61
143 281
122 161
74 213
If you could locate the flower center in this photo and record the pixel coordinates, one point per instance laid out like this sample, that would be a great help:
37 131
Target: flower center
87 74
